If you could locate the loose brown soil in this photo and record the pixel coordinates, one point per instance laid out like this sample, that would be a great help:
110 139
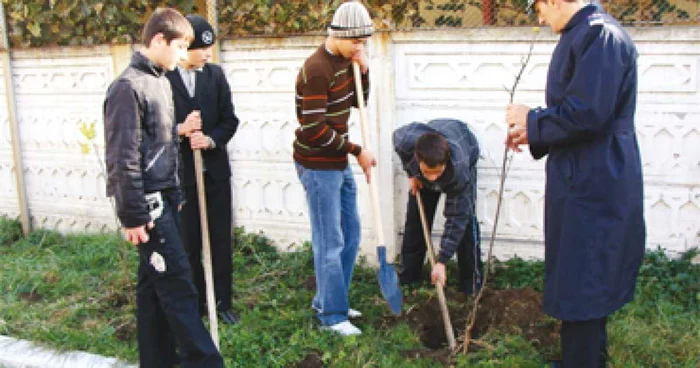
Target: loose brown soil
311 360
511 311
30 296
310 283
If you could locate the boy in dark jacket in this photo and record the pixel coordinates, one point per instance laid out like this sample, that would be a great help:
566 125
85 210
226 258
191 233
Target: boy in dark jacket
206 121
440 157
142 161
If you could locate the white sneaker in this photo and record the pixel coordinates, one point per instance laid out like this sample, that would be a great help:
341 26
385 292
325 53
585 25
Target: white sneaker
344 328
354 313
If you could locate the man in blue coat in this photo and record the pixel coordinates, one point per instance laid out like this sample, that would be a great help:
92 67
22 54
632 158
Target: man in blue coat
594 221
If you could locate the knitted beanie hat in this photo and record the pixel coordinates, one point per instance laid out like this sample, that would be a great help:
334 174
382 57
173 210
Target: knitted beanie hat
203 32
351 20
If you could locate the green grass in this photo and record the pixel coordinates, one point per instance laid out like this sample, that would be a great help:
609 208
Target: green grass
75 292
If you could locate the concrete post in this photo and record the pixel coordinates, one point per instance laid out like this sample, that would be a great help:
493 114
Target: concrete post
6 57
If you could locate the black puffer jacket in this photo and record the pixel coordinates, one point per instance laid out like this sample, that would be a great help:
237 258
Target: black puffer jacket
141 145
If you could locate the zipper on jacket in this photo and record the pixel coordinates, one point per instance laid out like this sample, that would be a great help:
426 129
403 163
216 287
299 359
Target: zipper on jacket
170 102
150 164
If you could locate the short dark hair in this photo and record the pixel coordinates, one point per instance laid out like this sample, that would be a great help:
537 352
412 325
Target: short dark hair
170 23
432 149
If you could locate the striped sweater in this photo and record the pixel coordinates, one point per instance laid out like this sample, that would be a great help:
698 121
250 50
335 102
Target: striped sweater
325 92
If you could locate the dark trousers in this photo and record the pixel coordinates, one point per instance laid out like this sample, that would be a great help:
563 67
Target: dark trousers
413 248
584 344
166 299
218 197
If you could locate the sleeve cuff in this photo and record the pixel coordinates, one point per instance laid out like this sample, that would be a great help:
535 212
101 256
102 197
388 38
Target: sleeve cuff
135 221
531 126
356 149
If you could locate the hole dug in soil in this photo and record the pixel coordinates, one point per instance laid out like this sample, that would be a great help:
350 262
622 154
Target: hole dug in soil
511 311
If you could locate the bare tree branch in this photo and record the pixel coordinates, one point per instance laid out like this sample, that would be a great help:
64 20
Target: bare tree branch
505 167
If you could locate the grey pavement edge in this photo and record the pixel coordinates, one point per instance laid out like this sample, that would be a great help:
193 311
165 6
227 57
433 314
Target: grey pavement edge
16 353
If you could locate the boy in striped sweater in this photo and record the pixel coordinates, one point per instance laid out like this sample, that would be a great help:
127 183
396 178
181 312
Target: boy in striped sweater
325 92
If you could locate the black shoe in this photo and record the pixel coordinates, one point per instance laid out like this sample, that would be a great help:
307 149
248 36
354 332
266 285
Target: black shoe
228 317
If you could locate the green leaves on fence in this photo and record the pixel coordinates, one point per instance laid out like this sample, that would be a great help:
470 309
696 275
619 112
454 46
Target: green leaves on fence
79 23
35 23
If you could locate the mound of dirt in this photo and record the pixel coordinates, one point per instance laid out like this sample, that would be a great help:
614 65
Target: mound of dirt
512 311
516 311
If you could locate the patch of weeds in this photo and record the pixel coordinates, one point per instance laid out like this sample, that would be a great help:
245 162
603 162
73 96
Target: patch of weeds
43 238
502 350
75 292
517 273
10 231
60 290
672 280
253 246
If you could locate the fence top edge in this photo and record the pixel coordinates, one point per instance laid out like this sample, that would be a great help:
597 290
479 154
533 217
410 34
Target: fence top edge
680 34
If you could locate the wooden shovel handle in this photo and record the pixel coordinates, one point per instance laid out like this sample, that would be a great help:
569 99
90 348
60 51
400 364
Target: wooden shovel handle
206 248
374 190
440 292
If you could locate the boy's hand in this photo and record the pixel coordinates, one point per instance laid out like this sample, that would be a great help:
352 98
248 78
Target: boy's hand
199 141
414 185
361 59
192 123
366 160
438 274
138 235
516 118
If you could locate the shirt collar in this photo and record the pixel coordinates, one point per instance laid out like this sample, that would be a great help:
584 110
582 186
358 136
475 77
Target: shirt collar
185 70
580 16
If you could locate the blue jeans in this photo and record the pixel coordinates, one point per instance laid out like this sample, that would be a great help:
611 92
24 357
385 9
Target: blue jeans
335 237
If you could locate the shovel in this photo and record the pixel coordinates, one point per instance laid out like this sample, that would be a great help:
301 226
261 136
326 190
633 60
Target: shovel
206 248
388 280
438 286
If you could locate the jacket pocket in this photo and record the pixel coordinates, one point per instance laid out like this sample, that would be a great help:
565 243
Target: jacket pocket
562 164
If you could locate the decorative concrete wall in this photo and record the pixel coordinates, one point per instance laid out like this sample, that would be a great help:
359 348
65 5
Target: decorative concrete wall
415 76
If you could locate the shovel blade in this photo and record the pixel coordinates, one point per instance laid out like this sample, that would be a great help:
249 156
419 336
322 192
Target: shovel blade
389 282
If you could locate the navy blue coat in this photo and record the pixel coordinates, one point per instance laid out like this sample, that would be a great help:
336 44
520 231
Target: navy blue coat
594 221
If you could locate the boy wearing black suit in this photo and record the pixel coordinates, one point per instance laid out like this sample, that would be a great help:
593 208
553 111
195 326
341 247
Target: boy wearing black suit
205 113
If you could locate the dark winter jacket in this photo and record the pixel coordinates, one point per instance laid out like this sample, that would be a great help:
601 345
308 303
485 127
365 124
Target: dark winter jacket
141 143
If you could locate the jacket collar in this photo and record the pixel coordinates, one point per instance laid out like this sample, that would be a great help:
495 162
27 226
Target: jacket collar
581 15
200 88
177 82
141 62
